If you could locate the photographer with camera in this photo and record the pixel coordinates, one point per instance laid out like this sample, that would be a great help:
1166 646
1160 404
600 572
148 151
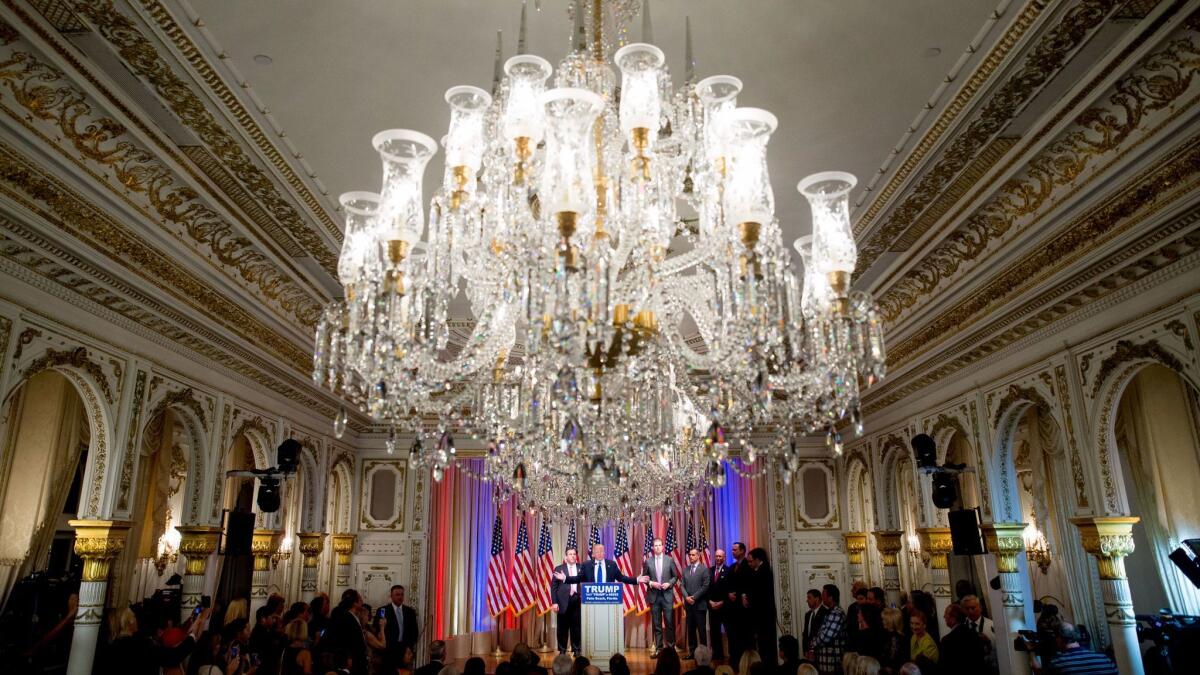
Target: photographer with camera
1072 658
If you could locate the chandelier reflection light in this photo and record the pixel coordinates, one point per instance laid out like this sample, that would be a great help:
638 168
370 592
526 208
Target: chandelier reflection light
633 305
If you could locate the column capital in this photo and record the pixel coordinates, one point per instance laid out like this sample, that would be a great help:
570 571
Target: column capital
888 542
1006 543
98 542
1109 539
343 546
196 544
937 543
311 544
264 544
856 543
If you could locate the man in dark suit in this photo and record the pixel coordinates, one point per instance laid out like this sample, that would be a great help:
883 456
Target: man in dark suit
704 662
736 625
437 659
565 597
812 618
345 636
660 569
717 591
599 570
400 631
961 650
696 583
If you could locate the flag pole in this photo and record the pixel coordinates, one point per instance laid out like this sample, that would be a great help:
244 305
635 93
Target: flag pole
496 651
544 646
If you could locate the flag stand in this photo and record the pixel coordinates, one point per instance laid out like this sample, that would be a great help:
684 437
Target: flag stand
544 646
496 651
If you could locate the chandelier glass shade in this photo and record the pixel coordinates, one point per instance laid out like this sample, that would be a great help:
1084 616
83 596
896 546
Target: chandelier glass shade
609 242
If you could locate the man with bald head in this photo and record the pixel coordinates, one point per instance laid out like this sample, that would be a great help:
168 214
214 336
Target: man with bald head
718 593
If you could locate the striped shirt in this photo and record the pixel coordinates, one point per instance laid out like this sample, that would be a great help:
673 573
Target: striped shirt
1082 661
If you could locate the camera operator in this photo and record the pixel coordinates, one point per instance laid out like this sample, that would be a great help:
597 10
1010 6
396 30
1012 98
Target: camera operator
1072 658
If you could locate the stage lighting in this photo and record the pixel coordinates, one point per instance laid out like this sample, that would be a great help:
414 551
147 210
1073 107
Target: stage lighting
288 455
268 494
925 451
945 489
1187 565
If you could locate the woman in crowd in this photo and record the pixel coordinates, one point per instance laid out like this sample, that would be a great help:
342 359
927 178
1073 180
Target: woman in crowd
749 658
668 663
922 647
870 631
893 643
297 659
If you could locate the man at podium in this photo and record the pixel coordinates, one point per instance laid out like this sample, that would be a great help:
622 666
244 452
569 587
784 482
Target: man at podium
599 570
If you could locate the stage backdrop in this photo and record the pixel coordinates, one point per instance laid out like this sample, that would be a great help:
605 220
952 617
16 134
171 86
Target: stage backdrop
461 524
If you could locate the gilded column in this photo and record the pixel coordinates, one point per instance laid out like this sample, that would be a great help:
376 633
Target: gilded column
264 545
1110 540
98 542
856 546
343 546
311 544
1006 544
197 543
936 542
888 542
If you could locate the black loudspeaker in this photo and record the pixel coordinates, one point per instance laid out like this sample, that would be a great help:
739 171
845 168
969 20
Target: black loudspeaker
965 533
239 532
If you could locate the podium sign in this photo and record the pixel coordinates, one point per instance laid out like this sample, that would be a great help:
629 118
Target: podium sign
603 622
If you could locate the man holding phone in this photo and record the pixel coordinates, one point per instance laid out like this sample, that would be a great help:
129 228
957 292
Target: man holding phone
400 629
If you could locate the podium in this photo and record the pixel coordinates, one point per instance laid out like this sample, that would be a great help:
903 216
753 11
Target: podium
603 622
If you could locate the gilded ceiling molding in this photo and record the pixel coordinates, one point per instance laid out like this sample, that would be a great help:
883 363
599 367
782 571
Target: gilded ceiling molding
42 92
75 358
1142 197
53 201
1040 65
140 55
1064 402
1127 351
172 328
974 84
1160 82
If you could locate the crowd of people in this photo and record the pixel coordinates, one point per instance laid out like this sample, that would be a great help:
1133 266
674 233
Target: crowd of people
313 638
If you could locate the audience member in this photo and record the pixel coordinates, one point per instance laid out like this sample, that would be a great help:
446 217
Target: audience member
525 662
921 644
877 597
475 666
858 598
724 669
345 633
400 631
870 631
703 658
561 665
668 663
238 609
789 655
130 650
582 662
807 669
812 618
437 658
1073 658
893 644
760 605
830 642
266 641
866 665
961 650
910 668
761 668
207 658
446 670
618 665
592 670
296 658
923 603
749 658
318 612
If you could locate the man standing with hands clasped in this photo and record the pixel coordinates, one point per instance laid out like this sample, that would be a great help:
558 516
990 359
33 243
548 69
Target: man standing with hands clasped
696 582
663 575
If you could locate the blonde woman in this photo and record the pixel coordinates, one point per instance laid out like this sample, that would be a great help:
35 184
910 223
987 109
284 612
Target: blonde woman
297 659
724 670
749 658
894 644
806 669
238 609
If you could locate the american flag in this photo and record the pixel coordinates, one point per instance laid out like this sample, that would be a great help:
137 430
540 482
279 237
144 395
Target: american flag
625 564
593 538
497 580
704 540
672 550
524 581
545 568
572 540
647 549
691 538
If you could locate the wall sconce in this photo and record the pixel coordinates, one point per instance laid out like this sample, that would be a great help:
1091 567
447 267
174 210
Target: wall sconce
1037 550
914 550
168 549
284 552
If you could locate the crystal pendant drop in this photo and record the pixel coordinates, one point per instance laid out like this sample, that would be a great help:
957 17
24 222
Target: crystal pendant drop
339 422
391 441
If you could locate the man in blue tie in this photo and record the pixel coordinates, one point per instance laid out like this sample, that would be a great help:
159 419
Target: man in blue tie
599 570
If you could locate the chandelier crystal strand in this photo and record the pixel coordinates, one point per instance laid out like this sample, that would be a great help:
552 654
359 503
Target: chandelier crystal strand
634 312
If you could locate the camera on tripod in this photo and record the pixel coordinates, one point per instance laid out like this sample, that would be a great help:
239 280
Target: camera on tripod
287 457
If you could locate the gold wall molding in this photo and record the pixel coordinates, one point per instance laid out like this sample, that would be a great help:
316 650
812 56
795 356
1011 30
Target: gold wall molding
196 544
1005 542
856 545
936 541
98 542
1064 402
1110 540
311 545
115 159
1127 351
143 59
74 358
1039 66
888 543
131 450
343 546
1107 131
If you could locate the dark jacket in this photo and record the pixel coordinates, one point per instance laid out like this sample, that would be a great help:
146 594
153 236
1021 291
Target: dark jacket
612 573
396 644
560 591
720 585
345 635
431 668
961 651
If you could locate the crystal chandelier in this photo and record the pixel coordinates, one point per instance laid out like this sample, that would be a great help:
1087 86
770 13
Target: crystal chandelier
634 305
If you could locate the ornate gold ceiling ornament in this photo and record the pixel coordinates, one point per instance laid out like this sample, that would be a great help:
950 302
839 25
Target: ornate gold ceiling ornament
1064 402
1127 351
1157 83
1040 65
75 358
140 55
43 92
973 85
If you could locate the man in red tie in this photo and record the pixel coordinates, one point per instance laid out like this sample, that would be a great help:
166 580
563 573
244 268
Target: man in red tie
717 593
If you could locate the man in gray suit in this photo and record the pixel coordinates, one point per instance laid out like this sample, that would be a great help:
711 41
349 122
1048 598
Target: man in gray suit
696 580
660 595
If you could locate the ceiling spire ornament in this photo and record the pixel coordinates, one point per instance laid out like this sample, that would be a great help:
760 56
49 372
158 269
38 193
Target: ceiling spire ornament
634 313
647 25
521 33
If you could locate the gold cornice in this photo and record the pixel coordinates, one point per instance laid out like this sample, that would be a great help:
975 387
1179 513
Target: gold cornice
1040 64
888 543
1099 132
43 92
1005 541
343 546
311 545
98 542
856 543
937 543
196 544
1110 540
